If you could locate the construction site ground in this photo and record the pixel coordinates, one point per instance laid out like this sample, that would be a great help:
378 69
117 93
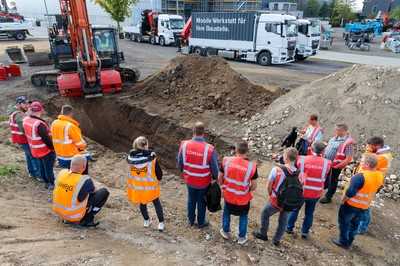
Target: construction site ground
30 234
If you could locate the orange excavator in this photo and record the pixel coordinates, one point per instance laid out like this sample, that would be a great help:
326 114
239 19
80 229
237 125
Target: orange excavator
86 59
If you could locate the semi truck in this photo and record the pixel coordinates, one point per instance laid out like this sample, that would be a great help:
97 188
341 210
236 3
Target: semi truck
308 38
249 36
13 28
163 29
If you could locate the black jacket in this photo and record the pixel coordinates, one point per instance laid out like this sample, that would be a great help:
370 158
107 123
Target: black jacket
148 155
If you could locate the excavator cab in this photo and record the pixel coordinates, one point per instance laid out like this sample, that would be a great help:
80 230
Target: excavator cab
106 45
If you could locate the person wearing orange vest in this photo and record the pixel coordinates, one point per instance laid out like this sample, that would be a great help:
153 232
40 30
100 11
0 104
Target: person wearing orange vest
238 179
357 199
312 132
275 180
375 145
67 137
143 181
314 170
198 162
340 151
75 199
18 137
37 133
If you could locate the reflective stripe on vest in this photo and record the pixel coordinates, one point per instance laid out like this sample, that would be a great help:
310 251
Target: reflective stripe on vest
340 153
314 183
244 184
38 147
17 136
373 180
314 133
66 139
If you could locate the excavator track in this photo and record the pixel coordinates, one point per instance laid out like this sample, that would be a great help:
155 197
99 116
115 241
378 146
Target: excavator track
46 79
129 75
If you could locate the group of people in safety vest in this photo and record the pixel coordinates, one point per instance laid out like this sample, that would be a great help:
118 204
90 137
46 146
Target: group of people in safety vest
298 180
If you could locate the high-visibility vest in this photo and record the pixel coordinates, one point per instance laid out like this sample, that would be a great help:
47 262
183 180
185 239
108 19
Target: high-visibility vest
279 178
142 184
313 135
313 172
67 137
196 163
384 161
373 180
17 136
340 153
237 180
65 196
38 148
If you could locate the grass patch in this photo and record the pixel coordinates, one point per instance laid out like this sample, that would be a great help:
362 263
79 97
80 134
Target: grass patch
8 170
3 118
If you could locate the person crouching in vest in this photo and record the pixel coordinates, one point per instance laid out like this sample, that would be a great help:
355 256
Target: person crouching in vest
67 138
357 199
275 180
198 162
238 178
143 181
38 135
340 151
375 145
75 199
18 137
314 170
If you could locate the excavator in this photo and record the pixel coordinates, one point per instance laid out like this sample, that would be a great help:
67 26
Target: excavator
87 59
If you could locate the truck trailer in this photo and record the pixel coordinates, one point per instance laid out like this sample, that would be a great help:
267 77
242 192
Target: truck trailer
163 29
249 36
308 38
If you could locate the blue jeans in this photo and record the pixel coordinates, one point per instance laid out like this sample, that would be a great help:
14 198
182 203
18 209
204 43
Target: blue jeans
364 223
46 168
32 164
349 219
226 222
267 212
196 198
309 209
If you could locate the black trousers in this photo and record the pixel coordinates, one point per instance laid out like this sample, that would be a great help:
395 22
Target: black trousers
333 182
157 206
96 201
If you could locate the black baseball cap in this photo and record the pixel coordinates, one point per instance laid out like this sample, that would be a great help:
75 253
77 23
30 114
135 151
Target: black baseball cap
21 99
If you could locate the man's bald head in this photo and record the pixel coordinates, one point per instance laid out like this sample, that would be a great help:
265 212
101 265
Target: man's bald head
78 164
198 129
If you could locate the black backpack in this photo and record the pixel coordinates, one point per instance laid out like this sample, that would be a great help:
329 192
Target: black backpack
213 197
290 193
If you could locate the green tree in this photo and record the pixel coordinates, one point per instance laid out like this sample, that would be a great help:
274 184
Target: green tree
117 9
341 12
325 10
395 13
312 8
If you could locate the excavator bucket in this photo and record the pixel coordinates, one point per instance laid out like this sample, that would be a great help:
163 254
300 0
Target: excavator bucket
15 54
38 58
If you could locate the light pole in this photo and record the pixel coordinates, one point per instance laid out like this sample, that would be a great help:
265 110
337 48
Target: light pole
47 12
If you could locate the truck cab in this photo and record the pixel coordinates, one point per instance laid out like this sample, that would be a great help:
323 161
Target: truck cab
276 34
308 38
169 28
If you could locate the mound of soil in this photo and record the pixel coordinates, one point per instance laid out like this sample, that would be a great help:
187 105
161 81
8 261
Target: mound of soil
197 84
364 97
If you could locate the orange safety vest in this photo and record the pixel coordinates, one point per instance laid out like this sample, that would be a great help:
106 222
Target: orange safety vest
17 136
373 180
65 196
142 184
38 148
313 172
67 137
340 153
237 174
384 161
196 157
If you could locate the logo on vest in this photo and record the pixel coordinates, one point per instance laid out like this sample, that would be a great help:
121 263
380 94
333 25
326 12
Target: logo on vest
139 171
198 154
66 187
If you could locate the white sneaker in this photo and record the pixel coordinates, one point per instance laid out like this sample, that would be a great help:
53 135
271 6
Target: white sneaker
161 227
146 223
225 235
242 240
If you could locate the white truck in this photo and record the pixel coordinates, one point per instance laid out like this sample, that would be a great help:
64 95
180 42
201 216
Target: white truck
308 38
14 29
249 36
163 29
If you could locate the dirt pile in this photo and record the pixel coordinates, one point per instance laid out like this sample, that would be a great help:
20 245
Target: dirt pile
197 84
365 98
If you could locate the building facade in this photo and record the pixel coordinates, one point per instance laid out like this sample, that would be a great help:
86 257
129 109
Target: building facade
372 7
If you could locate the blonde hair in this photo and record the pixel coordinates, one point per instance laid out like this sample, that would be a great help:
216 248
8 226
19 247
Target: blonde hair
140 143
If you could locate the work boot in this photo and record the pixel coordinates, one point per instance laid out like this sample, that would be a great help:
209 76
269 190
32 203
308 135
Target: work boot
304 236
242 240
204 225
161 227
146 223
90 224
276 243
289 231
225 235
325 200
338 243
258 235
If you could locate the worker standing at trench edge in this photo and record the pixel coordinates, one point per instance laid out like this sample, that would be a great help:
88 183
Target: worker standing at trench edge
314 169
143 184
38 135
238 179
18 136
357 199
198 162
340 151
67 138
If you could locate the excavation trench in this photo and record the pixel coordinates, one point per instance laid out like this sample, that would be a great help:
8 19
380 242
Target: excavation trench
115 124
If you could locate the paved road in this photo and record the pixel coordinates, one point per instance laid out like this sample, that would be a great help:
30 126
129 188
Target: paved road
359 59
